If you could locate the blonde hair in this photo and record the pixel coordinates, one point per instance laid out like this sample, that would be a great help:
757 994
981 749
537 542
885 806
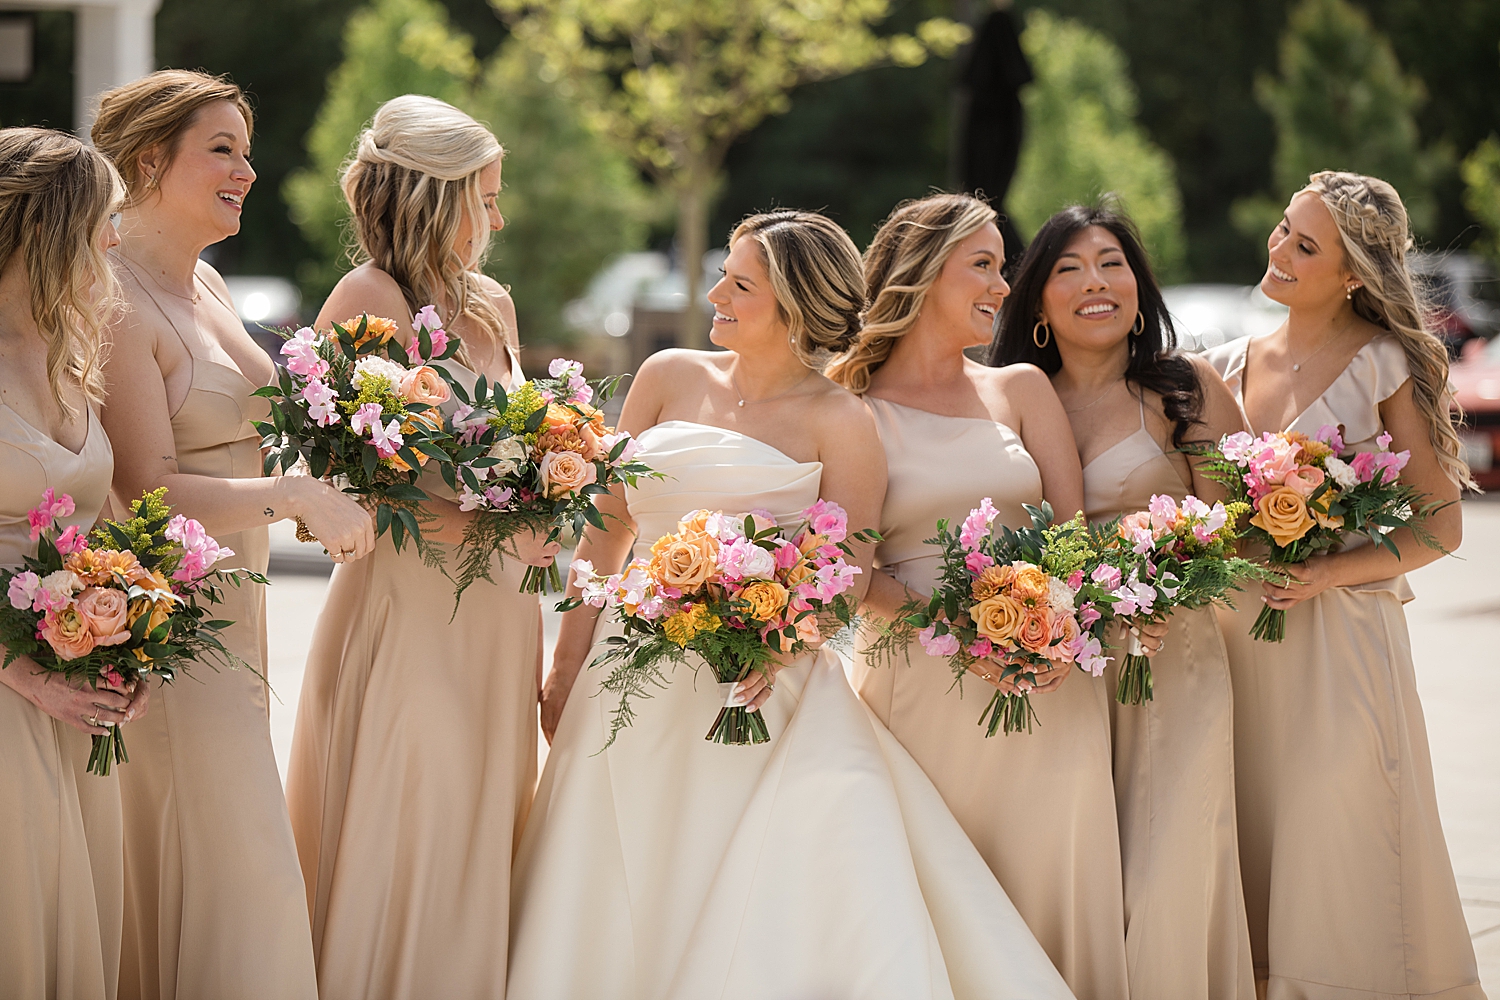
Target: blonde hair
1376 237
815 276
411 183
56 195
901 265
153 112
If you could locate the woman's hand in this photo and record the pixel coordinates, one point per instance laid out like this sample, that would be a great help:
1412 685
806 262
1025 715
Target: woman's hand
755 690
1152 635
344 527
554 699
990 672
533 549
1303 580
88 710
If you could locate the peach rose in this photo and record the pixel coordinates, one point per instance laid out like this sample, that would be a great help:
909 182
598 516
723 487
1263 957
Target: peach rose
694 522
1131 523
424 385
1065 628
1282 514
1035 632
766 599
998 618
68 633
991 581
1029 585
807 629
686 561
1305 479
558 417
565 472
591 430
811 542
105 610
158 610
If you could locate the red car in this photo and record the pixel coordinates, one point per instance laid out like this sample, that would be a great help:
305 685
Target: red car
1476 377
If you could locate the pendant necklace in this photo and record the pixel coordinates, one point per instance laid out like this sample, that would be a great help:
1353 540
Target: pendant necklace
769 399
1085 406
1297 367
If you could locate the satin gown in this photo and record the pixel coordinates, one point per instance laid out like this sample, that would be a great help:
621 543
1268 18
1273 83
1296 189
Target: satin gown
1185 930
412 767
820 864
1348 886
61 884
214 905
1040 807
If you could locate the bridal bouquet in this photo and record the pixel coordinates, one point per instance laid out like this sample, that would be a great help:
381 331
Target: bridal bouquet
534 459
1307 499
737 589
1021 599
357 407
118 605
1166 557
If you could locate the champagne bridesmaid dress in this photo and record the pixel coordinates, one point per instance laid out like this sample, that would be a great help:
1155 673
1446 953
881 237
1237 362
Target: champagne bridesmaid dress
1040 807
412 769
1348 886
61 882
1185 930
214 905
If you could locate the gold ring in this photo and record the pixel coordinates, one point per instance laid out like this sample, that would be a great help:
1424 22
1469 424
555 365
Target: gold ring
93 720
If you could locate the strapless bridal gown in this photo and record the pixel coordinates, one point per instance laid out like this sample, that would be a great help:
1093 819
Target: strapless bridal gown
820 864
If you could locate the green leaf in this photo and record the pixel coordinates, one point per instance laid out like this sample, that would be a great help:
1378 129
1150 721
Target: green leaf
406 491
371 459
382 518
317 462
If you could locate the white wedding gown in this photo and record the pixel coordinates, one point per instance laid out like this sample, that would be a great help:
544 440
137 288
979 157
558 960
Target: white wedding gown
821 864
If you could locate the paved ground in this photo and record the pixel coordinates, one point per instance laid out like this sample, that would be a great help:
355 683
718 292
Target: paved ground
1455 630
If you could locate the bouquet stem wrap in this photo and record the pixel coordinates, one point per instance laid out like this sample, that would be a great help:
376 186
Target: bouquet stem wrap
735 725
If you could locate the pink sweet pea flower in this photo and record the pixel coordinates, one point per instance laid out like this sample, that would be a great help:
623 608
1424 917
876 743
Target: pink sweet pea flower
978 562
320 399
1237 447
1087 615
1088 653
976 526
387 440
1381 467
367 416
980 648
1383 442
937 645
828 519
301 353
72 540
786 555
1329 434
1163 511
563 368
427 318
23 590
1106 576
52 507
608 442
1075 581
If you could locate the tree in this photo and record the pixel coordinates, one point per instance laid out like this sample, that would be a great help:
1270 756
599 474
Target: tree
1083 140
1340 101
675 82
1481 174
570 202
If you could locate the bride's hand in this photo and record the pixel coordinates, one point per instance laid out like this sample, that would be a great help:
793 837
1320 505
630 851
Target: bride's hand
989 671
533 549
755 690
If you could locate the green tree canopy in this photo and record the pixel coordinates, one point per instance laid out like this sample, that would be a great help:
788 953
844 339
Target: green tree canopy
570 202
1083 140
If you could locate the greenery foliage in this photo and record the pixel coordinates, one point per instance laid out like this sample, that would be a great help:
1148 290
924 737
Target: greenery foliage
1083 140
1481 173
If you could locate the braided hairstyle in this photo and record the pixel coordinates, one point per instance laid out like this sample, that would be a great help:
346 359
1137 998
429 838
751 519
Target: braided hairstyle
56 195
1377 237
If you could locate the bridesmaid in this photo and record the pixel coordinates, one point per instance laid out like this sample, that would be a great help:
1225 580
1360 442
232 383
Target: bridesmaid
1087 310
1348 886
1039 807
214 901
414 757
62 882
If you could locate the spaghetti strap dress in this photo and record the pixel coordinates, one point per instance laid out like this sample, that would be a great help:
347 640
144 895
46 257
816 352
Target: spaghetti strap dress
1185 930
1348 886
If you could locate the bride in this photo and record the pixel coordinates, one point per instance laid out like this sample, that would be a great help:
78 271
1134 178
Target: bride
821 863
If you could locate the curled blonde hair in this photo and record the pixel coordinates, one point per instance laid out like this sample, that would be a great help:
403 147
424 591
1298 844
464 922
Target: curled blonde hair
901 265
56 195
1376 237
815 276
153 112
412 182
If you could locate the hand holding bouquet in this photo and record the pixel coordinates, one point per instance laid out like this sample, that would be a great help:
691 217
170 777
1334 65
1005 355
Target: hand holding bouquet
1307 499
534 459
738 590
1017 598
1166 557
116 606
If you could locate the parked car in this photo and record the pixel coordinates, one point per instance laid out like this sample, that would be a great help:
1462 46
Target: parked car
264 302
1464 294
1476 382
1209 315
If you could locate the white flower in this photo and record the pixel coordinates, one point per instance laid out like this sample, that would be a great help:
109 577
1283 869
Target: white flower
372 365
759 564
1059 595
509 453
1341 473
62 585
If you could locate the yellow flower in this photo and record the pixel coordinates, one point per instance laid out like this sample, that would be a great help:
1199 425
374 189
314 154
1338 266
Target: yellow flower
376 328
704 620
680 628
998 618
766 599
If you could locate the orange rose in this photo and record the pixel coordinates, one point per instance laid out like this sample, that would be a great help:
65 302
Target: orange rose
694 522
766 599
1029 585
558 416
158 610
591 430
424 385
686 561
998 618
105 609
565 472
1035 632
1282 514
68 633
991 581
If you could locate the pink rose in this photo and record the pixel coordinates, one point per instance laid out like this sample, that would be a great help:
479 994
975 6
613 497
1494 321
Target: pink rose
1305 480
1275 460
104 610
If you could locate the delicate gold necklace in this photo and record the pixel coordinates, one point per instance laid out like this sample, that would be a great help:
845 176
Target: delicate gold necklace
768 399
1107 390
1297 367
194 298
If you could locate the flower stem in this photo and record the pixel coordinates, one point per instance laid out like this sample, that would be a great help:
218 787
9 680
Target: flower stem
1135 680
1007 713
1270 625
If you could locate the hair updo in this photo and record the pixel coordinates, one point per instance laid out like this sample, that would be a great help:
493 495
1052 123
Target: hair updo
815 276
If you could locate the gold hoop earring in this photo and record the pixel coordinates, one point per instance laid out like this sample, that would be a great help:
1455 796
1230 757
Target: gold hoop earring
1041 341
1139 326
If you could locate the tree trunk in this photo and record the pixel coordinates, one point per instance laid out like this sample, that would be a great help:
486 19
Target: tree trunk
692 243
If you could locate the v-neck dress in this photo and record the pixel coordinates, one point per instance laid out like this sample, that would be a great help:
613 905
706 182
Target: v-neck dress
214 904
1185 930
60 883
1348 886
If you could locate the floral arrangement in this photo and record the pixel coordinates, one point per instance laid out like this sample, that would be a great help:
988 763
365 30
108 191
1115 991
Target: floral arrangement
534 458
355 407
1307 499
737 590
1021 599
117 605
1168 556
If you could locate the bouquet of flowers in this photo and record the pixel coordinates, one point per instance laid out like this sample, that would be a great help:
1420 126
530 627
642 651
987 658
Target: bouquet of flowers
354 406
1018 598
534 459
123 603
1307 499
736 589
1165 557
